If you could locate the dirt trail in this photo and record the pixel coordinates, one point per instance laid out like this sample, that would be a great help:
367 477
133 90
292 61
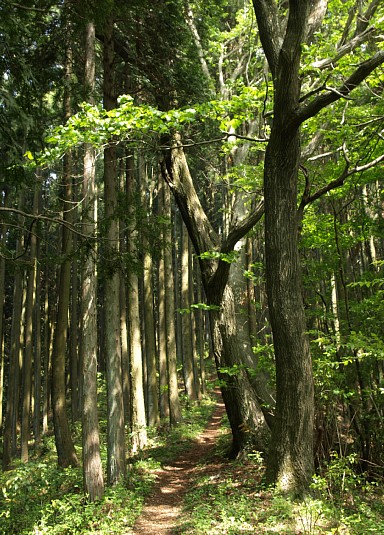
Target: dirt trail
163 506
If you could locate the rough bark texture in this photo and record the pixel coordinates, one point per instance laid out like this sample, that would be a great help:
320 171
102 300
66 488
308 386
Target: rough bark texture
115 401
92 469
290 462
153 414
188 364
174 401
239 397
64 444
138 417
28 340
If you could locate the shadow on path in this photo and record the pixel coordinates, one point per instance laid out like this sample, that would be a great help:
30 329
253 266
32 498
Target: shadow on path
163 506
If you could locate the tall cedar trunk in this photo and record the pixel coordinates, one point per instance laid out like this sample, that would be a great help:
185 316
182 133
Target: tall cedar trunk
188 363
153 415
115 423
191 299
174 401
92 469
64 444
138 418
75 363
28 340
162 329
200 335
10 423
37 353
48 330
3 231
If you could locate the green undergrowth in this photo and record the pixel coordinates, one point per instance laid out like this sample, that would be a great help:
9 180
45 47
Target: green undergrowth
39 498
234 500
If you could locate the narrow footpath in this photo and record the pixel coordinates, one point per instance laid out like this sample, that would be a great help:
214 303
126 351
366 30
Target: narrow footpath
163 506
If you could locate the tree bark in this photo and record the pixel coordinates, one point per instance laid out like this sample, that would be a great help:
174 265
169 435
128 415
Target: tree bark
290 461
10 423
241 401
188 357
28 334
174 401
92 469
116 467
138 417
153 415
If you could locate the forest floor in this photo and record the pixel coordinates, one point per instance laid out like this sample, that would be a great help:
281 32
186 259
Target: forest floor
163 506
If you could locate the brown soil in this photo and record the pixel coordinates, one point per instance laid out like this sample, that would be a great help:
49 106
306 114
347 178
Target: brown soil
163 506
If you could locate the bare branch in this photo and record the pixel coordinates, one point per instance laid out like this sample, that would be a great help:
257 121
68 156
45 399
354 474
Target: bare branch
30 8
241 228
316 105
339 181
41 217
345 49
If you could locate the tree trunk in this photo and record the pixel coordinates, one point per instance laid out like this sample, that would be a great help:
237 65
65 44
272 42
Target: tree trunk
115 423
188 357
290 461
37 355
138 419
153 415
3 231
10 423
162 324
241 401
28 340
174 401
92 469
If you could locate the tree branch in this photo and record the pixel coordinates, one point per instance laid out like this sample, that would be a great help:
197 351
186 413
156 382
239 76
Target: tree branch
41 217
267 17
316 105
347 172
345 49
241 228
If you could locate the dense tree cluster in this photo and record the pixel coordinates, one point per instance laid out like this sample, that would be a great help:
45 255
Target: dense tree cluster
187 183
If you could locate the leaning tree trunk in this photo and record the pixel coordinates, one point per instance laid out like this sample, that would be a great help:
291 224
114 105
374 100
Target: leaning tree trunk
240 399
245 416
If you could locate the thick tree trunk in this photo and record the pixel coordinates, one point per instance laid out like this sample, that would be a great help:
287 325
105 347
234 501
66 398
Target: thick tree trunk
245 416
290 461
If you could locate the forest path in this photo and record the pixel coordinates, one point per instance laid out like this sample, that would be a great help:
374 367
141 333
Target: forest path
163 506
